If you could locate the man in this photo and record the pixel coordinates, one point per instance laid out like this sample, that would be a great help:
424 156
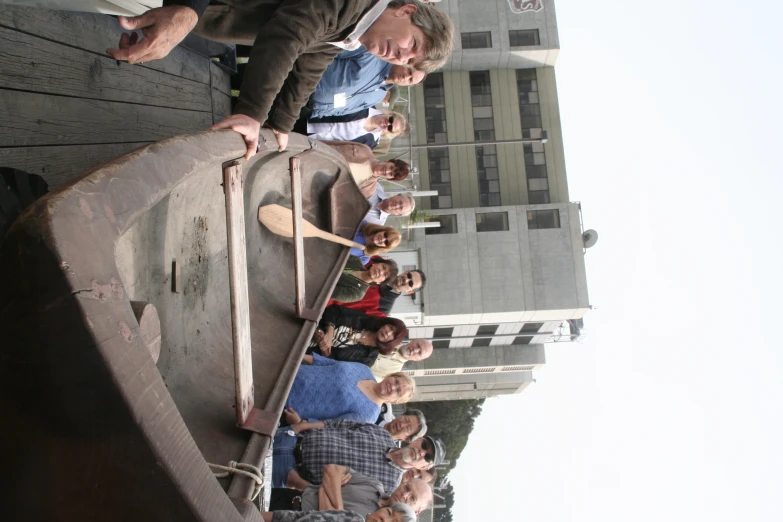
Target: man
363 494
428 476
416 350
299 459
383 206
408 427
293 41
379 300
357 80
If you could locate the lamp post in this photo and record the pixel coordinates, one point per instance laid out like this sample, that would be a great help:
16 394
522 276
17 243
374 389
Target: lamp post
543 139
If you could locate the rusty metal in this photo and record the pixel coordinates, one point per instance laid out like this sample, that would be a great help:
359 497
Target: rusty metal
261 422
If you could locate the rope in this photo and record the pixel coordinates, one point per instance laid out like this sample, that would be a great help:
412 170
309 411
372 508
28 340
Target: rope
234 467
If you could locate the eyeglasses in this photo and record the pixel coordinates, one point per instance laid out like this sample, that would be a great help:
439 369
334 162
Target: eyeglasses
429 449
390 127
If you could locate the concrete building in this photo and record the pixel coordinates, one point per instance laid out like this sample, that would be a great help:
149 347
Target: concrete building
505 269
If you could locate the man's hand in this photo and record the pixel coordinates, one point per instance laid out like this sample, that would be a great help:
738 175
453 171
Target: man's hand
291 417
282 140
338 473
163 29
244 125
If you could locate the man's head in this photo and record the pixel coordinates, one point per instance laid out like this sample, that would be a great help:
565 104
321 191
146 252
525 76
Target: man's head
409 426
399 205
408 282
394 512
415 493
394 170
416 350
405 75
423 453
427 475
411 33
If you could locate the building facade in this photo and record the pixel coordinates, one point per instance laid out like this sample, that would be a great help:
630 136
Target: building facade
505 269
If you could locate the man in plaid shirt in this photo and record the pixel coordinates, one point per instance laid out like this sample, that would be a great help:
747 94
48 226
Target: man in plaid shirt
301 451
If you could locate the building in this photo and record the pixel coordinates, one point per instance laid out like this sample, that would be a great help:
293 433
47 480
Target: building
505 268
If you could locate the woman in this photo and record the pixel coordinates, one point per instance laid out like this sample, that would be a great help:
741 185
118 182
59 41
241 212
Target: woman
329 389
355 279
377 239
351 335
365 129
365 169
395 512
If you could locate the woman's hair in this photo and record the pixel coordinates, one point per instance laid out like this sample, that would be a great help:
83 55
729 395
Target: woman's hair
406 128
393 270
400 333
411 386
393 238
408 515
401 169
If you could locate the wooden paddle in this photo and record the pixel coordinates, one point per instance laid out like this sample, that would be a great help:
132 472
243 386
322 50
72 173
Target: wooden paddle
280 220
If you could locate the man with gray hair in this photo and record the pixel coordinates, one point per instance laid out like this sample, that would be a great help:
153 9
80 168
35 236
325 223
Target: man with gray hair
383 206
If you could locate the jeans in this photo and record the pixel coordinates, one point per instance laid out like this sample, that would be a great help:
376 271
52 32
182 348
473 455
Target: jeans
283 456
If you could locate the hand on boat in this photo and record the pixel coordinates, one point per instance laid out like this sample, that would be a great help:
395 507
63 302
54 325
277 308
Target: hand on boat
291 417
282 140
247 127
163 28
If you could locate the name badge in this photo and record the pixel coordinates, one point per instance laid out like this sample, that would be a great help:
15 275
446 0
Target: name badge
339 100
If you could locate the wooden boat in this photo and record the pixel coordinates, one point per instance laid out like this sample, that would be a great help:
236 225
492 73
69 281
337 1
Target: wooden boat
93 427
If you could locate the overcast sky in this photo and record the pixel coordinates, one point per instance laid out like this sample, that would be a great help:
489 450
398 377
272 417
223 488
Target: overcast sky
672 409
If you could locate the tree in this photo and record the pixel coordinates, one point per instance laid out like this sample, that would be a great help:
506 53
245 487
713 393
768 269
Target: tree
452 421
444 514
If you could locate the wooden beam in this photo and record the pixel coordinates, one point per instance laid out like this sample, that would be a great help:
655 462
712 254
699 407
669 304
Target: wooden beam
299 253
233 187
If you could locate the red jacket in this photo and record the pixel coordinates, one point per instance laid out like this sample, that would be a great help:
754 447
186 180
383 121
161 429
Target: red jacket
369 304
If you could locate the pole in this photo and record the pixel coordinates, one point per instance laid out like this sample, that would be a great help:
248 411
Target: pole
414 193
542 139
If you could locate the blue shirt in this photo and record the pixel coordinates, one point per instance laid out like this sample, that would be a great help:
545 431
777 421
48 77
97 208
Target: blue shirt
359 75
375 215
359 238
328 389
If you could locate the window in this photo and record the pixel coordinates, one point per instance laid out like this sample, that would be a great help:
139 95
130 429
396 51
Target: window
481 99
535 159
443 332
538 219
440 177
441 344
522 340
492 222
487 329
435 108
535 172
448 225
531 327
524 38
477 40
487 168
481 342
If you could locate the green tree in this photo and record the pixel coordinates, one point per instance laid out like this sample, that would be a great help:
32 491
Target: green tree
444 514
452 421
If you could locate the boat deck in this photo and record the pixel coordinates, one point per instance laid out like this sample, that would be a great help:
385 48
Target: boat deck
66 106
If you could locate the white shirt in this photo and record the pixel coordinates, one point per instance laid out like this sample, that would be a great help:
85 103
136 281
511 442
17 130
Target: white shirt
343 131
351 43
377 216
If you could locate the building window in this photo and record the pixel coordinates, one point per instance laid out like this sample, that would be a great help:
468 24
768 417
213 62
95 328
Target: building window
481 40
524 38
435 108
481 99
443 332
535 173
441 344
492 222
448 225
487 329
527 91
481 342
531 327
440 177
488 176
538 219
523 340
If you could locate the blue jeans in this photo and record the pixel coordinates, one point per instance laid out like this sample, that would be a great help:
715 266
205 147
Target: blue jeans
282 456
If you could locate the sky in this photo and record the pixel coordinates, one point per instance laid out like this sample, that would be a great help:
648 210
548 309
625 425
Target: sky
672 407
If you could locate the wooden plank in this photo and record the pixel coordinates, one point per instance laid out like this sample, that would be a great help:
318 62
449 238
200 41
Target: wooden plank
221 105
233 187
96 33
42 119
220 79
34 64
60 164
299 253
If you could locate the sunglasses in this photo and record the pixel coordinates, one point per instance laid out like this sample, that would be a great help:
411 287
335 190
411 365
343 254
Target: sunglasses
390 127
427 446
410 281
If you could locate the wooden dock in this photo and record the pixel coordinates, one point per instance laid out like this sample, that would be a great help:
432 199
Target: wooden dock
66 106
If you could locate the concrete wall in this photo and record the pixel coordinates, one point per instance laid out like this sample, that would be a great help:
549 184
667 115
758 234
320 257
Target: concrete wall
480 386
480 357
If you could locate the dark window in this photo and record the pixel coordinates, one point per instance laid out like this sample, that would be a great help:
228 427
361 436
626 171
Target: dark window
477 40
440 177
524 38
482 341
531 327
535 159
435 108
537 219
487 329
443 332
440 344
488 175
448 225
522 340
492 222
481 99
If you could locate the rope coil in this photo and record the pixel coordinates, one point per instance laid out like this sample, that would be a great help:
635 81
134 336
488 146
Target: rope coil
234 467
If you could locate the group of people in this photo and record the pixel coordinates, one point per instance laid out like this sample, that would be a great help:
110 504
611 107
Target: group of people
321 66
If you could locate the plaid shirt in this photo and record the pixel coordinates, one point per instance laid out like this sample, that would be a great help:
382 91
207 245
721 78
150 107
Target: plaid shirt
358 445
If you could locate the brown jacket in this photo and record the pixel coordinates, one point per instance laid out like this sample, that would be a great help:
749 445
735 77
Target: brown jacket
290 53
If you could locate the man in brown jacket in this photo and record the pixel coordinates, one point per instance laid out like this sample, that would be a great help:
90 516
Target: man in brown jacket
293 43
